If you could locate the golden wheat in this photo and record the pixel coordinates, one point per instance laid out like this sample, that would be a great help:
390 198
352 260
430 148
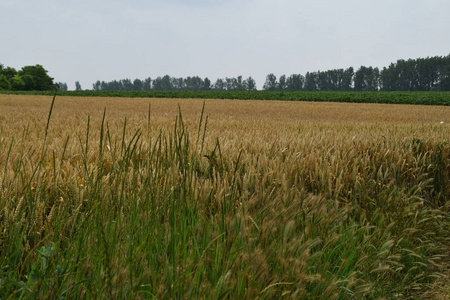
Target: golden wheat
289 167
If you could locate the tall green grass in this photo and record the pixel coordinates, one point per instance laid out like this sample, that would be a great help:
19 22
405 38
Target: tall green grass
161 214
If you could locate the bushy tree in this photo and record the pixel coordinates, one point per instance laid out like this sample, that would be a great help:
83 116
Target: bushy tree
4 83
61 86
282 83
36 78
311 81
271 82
219 85
250 84
138 84
147 86
206 84
17 83
97 86
9 72
295 82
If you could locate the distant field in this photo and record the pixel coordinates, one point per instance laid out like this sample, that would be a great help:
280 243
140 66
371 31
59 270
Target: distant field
167 198
419 98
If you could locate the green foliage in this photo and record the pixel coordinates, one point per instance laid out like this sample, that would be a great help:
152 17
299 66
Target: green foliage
271 83
4 83
17 83
61 86
36 78
9 72
30 78
419 98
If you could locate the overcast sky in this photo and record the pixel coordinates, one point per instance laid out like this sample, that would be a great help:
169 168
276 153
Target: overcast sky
90 40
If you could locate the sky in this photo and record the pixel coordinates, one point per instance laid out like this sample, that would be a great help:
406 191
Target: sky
90 40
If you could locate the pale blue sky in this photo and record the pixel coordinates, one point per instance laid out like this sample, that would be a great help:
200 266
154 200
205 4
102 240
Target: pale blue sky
105 40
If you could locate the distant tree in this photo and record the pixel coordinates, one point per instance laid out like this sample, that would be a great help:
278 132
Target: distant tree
4 83
17 83
359 79
97 86
36 78
166 83
178 83
295 82
249 84
444 78
324 82
230 84
282 83
9 72
347 79
78 86
138 85
206 84
147 86
157 84
310 81
389 78
116 85
61 86
271 83
219 85
127 85
239 84
193 83
104 86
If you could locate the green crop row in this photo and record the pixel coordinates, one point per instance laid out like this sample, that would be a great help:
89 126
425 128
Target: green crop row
419 98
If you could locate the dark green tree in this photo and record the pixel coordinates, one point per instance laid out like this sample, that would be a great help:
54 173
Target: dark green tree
271 83
157 84
127 84
295 82
97 86
194 83
230 84
9 72
178 83
219 85
347 79
147 86
206 84
367 79
282 83
249 84
36 78
138 85
61 86
17 83
4 83
166 83
310 81
78 86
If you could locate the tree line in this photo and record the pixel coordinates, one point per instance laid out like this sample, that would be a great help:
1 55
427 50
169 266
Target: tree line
422 74
168 83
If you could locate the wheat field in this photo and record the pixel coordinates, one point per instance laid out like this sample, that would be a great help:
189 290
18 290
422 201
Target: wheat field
188 198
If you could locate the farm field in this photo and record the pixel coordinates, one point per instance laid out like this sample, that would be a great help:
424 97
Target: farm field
192 198
404 97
